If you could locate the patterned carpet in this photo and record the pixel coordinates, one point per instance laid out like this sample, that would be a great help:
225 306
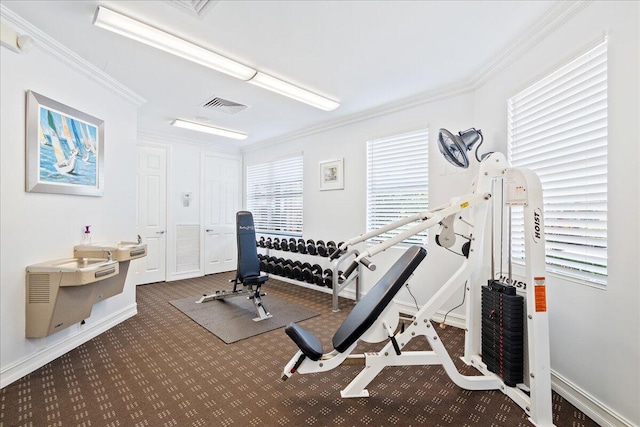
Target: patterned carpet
162 369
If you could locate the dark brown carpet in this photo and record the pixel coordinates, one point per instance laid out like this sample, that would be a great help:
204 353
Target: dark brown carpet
231 319
161 369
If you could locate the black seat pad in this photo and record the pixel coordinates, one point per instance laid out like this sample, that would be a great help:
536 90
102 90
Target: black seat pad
365 313
308 343
258 280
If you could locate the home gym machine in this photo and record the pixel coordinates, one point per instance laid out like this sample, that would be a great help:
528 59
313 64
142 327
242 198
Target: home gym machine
248 272
375 317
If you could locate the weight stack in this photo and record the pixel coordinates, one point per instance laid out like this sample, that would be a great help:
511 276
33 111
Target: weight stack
503 331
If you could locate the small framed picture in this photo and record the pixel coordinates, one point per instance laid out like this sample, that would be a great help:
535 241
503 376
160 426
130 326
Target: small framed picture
332 175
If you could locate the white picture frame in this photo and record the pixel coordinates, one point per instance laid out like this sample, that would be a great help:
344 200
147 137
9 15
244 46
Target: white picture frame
64 149
332 175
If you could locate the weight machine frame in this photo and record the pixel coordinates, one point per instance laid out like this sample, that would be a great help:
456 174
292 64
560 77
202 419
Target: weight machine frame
522 188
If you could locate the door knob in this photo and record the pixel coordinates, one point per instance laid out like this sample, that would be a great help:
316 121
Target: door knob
160 232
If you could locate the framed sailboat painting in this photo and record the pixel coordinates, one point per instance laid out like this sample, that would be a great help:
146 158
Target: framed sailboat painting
64 149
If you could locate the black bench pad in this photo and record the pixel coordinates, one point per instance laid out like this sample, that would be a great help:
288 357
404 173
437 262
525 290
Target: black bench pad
366 312
308 343
255 280
369 308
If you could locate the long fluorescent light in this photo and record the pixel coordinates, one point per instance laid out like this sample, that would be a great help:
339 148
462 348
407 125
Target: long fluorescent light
208 129
136 30
287 89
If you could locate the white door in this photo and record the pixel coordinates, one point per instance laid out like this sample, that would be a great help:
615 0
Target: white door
152 213
221 201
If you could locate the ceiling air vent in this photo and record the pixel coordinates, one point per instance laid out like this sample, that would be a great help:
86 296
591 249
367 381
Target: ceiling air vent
197 8
224 106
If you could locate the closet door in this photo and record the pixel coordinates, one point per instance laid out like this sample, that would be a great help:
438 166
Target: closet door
221 200
152 214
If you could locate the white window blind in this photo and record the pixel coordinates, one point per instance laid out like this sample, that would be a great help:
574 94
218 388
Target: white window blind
274 196
397 181
558 128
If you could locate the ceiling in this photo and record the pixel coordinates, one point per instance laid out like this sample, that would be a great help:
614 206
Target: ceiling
363 54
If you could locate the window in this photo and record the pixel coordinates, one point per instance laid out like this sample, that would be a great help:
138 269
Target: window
274 196
397 181
558 128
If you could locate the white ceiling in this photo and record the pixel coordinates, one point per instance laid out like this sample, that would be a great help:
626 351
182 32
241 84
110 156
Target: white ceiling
363 54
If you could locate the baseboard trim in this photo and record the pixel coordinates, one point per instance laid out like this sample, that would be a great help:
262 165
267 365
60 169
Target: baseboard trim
37 360
455 320
184 275
597 411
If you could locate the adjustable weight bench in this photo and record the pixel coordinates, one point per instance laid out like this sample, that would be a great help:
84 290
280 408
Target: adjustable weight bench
248 271
370 320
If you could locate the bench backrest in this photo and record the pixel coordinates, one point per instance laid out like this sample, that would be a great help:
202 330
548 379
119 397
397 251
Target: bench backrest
369 308
248 262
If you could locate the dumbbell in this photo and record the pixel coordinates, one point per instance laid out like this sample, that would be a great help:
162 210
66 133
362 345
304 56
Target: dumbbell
316 271
293 245
268 244
271 264
297 270
302 246
327 278
307 274
261 242
311 247
321 249
263 262
288 269
331 247
276 243
284 245
279 270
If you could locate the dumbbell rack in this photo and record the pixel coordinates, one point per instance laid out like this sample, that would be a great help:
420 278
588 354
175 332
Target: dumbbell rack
334 270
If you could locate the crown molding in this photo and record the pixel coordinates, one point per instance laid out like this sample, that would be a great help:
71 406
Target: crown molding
63 53
404 104
557 16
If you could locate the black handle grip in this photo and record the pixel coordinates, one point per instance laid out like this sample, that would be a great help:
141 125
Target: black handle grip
396 347
367 263
350 270
336 254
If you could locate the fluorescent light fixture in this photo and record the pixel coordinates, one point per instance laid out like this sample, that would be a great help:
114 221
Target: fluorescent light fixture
136 30
208 129
287 89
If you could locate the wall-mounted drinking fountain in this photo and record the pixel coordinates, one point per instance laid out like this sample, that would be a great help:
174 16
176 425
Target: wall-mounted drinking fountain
62 292
123 252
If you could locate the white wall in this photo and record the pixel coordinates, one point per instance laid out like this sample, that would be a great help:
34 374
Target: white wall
595 333
38 227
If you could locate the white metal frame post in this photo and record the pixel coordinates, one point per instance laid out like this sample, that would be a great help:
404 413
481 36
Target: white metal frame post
522 187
